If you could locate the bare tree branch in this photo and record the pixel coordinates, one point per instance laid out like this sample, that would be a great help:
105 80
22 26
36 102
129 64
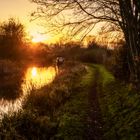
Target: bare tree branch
79 17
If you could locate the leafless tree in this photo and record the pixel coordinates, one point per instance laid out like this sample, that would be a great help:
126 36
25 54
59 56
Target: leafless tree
75 17
83 15
130 25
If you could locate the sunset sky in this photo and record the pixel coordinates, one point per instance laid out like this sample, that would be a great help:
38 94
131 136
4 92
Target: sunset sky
16 8
21 9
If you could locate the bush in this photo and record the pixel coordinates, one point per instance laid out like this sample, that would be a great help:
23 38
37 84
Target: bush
121 68
11 39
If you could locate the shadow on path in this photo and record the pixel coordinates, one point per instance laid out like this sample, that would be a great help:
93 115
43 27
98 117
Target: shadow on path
94 116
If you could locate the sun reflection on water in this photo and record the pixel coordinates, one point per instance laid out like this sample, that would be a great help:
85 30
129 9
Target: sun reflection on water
34 71
34 78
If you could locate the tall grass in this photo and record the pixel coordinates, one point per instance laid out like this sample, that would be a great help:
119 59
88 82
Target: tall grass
38 119
120 105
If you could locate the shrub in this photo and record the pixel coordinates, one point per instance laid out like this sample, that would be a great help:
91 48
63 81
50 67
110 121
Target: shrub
121 68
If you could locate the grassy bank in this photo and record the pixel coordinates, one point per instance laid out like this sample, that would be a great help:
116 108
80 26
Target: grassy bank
60 110
42 114
73 115
120 106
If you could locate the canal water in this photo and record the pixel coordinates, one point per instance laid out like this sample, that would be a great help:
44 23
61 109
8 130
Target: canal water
14 88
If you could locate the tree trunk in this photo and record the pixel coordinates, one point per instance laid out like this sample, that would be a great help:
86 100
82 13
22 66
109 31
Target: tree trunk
129 10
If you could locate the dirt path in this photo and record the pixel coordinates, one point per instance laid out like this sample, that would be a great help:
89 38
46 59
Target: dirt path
94 116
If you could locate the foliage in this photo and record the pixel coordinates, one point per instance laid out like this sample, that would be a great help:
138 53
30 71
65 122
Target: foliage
73 115
60 110
105 76
39 119
121 66
94 54
120 108
11 39
26 125
123 15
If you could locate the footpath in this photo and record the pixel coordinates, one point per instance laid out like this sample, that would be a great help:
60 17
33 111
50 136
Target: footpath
81 118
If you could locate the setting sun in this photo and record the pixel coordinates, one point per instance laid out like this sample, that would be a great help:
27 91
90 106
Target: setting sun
36 35
38 38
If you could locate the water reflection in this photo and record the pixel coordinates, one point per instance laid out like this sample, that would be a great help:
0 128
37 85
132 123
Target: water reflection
34 78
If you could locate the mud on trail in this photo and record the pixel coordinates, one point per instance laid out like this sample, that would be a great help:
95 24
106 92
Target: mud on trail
94 130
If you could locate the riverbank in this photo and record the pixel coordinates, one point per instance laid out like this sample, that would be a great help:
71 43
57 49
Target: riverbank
120 107
84 102
103 109
38 118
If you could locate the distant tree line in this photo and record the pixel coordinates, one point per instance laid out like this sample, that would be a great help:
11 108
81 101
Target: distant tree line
122 15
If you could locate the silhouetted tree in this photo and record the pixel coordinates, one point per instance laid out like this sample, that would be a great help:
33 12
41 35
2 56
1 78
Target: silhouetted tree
11 41
130 25
83 15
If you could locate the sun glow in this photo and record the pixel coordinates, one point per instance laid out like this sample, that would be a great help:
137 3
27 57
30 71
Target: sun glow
37 34
35 78
34 72
38 77
36 38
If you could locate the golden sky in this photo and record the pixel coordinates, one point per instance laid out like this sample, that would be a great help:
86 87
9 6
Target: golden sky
21 9
16 8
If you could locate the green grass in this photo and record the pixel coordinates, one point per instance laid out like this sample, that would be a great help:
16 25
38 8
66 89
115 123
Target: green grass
60 110
73 114
120 106
39 118
105 76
